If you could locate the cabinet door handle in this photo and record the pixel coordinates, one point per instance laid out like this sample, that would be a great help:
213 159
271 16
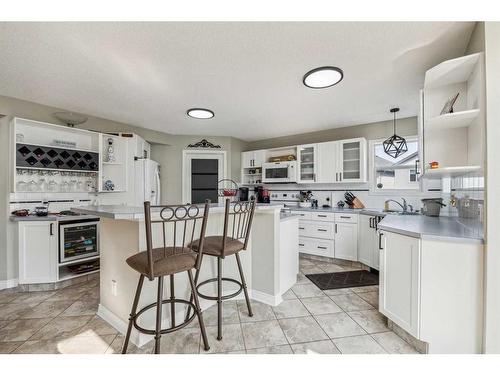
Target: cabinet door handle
345 217
336 176
416 167
321 215
371 222
301 244
302 228
322 247
322 230
380 241
340 176
51 229
335 228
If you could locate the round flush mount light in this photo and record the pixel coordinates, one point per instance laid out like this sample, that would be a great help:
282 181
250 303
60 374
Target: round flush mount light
200 113
323 77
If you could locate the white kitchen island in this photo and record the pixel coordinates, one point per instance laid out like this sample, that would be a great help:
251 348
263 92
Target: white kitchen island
122 234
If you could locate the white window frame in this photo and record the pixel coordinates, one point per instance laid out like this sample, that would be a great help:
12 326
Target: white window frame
372 175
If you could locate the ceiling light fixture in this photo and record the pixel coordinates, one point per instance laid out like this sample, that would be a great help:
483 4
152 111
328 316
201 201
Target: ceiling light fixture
323 77
200 113
395 145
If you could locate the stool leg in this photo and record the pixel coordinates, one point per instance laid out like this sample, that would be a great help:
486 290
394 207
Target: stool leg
172 304
250 313
196 276
132 313
158 314
198 311
219 298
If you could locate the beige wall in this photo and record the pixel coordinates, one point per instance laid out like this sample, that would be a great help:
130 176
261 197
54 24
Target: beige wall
375 130
476 42
492 60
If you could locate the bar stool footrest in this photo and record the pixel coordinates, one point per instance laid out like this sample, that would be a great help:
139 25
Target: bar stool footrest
167 330
215 298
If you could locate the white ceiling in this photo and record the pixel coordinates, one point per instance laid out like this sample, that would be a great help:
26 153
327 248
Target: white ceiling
249 74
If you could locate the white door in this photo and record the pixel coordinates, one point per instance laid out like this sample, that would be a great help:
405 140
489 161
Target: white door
259 158
365 243
399 286
38 253
202 182
346 241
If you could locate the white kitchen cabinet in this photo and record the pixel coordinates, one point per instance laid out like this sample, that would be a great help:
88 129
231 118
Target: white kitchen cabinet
399 282
307 156
253 159
351 160
327 154
346 241
368 251
247 159
38 251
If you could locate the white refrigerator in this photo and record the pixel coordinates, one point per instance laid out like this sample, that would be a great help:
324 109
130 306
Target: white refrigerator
147 182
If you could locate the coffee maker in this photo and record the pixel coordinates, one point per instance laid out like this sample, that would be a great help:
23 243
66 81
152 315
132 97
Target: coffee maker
263 195
243 194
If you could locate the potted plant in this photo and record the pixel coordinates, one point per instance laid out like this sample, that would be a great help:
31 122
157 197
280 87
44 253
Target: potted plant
305 199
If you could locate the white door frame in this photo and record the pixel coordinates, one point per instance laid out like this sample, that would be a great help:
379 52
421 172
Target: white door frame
186 195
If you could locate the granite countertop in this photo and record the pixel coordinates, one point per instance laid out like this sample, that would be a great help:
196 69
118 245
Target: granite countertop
121 212
436 228
50 217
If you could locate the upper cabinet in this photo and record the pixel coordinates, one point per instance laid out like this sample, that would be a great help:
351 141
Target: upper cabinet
307 156
351 161
251 166
453 136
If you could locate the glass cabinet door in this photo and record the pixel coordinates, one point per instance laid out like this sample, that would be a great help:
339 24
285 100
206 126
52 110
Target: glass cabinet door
307 158
351 161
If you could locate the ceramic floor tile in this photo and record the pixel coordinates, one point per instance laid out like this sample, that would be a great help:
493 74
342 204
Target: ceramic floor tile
183 341
232 339
370 297
62 327
315 347
339 325
8 295
82 307
320 305
305 262
229 314
281 349
263 334
66 294
47 309
21 330
362 289
332 268
337 292
261 311
393 344
92 293
71 345
13 311
307 290
310 270
289 294
351 302
290 309
302 330
370 320
358 345
117 346
97 326
302 279
33 297
9 347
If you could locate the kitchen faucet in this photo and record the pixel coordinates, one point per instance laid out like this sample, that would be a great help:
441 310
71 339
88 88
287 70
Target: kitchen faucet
404 206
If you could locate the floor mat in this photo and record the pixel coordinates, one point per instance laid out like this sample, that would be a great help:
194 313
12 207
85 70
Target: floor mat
339 280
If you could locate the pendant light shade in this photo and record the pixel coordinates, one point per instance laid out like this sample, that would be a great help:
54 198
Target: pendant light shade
395 145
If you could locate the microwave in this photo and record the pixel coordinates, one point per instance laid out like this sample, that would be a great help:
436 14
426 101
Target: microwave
279 172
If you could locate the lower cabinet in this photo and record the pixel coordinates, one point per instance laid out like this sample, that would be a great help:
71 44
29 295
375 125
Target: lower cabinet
38 245
368 245
399 280
329 235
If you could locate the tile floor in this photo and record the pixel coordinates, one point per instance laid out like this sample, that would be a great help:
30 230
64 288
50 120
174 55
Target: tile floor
307 321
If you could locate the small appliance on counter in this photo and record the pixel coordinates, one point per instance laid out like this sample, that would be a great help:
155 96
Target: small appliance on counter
243 194
432 206
42 211
279 172
469 208
263 195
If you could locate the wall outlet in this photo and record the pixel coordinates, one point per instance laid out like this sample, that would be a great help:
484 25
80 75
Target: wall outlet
114 287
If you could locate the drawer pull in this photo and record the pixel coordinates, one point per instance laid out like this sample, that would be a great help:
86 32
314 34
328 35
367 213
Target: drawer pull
322 230
345 217
322 216
301 244
322 247
302 228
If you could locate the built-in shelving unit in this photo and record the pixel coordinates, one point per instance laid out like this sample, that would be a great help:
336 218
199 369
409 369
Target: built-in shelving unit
456 140
113 170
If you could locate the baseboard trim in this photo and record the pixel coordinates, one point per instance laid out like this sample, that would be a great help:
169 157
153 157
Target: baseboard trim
269 299
10 283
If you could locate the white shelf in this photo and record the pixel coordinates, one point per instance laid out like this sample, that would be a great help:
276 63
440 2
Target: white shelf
451 71
81 260
70 275
439 173
111 191
56 146
252 174
455 120
111 163
56 169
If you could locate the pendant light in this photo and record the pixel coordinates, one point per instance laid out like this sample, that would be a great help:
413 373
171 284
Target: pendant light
395 145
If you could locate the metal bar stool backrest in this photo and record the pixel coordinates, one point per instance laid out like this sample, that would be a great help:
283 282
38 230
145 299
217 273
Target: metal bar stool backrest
238 221
184 222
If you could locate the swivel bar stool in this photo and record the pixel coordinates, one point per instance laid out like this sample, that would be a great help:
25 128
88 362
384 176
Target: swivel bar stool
167 261
238 218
